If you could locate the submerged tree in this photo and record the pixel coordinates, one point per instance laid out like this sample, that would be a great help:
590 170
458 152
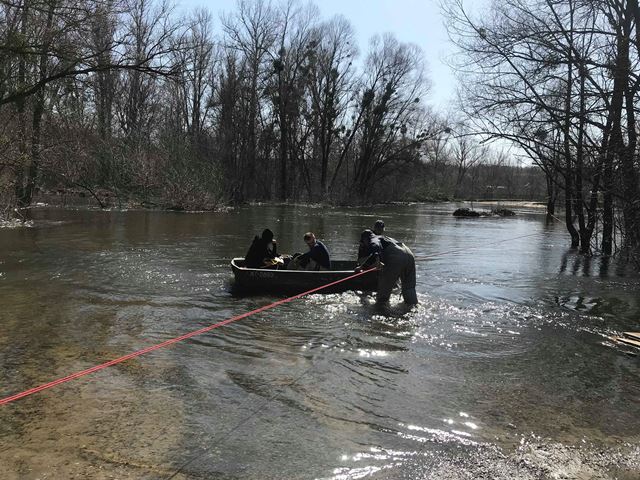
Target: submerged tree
559 80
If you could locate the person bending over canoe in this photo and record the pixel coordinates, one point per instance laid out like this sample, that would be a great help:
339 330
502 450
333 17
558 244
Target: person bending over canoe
262 252
395 260
378 229
317 258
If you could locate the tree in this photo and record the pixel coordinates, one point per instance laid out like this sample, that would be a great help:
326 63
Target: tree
466 153
330 83
389 107
251 31
48 42
540 73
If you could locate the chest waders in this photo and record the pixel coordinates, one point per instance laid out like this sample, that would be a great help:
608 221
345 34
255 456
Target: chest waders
399 263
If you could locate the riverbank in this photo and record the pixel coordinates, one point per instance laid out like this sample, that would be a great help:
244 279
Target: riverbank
107 199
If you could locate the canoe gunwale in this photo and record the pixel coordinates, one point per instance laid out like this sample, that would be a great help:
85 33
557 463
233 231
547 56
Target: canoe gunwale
289 281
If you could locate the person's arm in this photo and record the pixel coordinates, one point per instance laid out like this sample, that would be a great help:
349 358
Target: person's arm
274 252
303 259
371 260
316 254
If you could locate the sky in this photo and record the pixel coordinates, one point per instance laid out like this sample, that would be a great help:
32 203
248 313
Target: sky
414 21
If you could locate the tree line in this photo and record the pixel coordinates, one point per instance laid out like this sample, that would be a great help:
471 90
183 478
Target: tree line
127 99
559 79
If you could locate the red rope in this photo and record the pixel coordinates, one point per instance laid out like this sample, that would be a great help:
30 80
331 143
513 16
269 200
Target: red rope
166 343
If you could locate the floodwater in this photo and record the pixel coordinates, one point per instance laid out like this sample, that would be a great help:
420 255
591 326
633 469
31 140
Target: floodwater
504 370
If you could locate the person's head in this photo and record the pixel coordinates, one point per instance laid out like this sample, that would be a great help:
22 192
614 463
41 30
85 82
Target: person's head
267 235
378 227
309 239
366 236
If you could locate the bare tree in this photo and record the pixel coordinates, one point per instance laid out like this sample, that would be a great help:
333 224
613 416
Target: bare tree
466 153
539 71
330 85
392 87
251 31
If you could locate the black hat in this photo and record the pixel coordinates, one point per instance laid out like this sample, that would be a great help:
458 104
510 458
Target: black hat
267 235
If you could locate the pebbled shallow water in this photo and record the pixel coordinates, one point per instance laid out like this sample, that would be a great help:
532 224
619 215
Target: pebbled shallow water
504 370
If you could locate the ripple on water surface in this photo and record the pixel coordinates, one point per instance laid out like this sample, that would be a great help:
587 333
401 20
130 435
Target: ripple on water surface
503 370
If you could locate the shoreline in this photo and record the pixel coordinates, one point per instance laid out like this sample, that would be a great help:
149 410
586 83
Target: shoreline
13 220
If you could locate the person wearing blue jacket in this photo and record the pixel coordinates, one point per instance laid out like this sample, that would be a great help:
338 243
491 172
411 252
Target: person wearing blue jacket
317 258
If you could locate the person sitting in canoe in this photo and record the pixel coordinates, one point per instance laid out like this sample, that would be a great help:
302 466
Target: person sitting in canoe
395 261
262 252
317 258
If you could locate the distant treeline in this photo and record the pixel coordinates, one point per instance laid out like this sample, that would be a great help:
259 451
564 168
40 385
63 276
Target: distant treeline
268 102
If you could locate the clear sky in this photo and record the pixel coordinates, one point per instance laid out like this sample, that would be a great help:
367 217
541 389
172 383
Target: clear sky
415 21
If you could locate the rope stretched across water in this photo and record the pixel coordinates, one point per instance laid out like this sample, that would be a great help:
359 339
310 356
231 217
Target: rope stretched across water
166 343
169 342
457 250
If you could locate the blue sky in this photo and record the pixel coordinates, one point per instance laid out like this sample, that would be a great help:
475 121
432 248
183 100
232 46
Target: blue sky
415 21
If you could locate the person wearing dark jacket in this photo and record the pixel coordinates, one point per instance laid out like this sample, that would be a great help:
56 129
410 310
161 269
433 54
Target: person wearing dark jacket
378 229
262 248
396 262
317 258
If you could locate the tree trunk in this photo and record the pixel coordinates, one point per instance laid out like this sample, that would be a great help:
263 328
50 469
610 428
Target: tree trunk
38 111
551 196
20 110
631 192
569 195
585 232
284 132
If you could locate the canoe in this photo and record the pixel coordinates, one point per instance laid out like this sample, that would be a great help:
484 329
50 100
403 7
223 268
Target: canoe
298 281
627 341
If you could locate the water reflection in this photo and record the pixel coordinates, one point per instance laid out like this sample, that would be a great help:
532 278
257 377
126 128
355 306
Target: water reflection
577 264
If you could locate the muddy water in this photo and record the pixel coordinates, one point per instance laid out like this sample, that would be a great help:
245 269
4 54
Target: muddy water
504 370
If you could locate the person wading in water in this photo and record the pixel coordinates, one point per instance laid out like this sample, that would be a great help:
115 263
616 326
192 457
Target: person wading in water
395 260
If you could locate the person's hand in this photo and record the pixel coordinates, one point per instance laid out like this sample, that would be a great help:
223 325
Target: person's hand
358 269
379 265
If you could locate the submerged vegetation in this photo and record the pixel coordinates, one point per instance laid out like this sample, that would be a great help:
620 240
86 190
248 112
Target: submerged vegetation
559 80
